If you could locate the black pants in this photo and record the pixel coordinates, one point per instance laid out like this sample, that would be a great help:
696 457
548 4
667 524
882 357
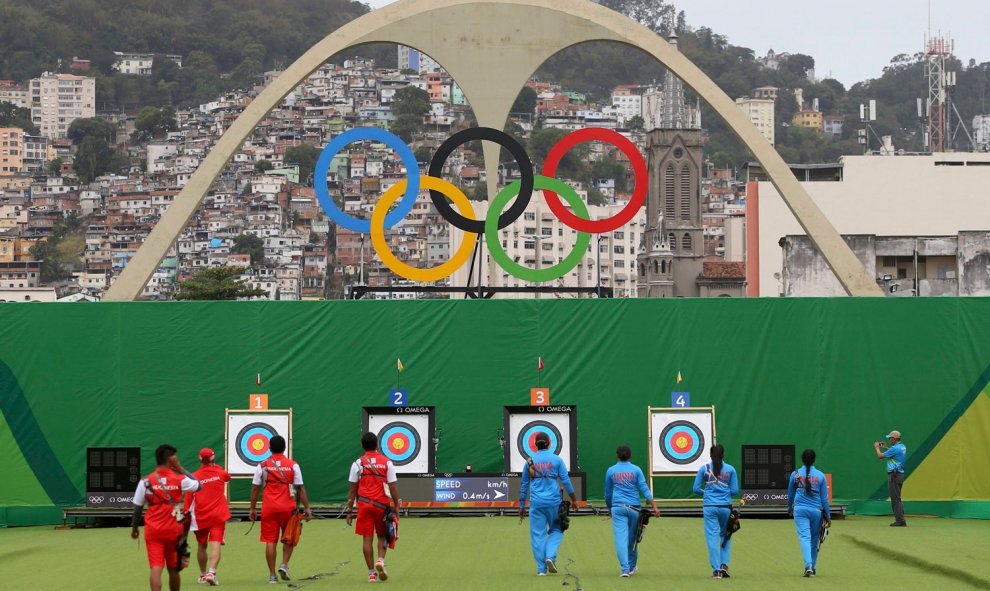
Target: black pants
895 480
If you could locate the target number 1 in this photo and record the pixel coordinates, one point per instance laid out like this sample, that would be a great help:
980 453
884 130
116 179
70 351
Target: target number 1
680 399
398 397
258 402
539 396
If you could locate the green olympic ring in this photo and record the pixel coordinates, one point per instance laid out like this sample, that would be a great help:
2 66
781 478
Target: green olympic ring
515 269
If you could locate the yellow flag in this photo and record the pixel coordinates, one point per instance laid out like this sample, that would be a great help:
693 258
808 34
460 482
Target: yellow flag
399 362
679 378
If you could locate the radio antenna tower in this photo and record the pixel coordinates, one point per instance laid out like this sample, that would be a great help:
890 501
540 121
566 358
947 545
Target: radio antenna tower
937 52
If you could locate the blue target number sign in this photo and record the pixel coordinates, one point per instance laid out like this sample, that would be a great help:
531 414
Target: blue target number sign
682 442
526 442
680 399
399 442
253 443
398 397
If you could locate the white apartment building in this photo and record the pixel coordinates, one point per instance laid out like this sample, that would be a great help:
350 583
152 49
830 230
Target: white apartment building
981 133
140 64
412 59
627 102
15 94
539 240
761 114
59 99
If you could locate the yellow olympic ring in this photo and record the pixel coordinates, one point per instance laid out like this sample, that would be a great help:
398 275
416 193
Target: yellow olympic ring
391 261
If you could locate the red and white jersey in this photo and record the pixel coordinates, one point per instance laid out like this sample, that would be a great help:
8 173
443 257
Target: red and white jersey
209 506
372 472
277 473
162 490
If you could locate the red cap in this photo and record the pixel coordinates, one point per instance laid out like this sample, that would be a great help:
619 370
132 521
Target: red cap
206 454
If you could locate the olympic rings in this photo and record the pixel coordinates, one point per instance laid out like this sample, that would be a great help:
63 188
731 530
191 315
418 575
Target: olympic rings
391 261
365 133
441 190
507 142
514 268
639 172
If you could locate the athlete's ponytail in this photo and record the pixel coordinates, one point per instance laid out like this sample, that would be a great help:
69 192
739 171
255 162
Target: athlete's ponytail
717 453
808 457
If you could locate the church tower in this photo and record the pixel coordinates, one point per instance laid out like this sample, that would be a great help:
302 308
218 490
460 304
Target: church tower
671 256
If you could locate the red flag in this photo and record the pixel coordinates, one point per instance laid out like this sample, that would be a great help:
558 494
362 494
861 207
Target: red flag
539 365
257 379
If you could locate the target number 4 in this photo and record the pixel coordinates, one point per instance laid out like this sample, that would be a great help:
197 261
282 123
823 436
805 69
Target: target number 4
539 396
258 402
680 399
398 397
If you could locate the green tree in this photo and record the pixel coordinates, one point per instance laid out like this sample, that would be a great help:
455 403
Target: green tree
95 157
81 129
55 166
217 283
263 165
423 154
635 123
572 165
13 116
405 126
410 101
252 245
607 168
153 122
305 156
525 101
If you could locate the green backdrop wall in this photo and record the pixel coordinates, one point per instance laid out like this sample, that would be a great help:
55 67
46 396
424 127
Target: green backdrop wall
832 374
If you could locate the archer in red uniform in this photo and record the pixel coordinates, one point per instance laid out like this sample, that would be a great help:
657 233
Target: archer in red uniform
209 512
282 479
163 490
372 485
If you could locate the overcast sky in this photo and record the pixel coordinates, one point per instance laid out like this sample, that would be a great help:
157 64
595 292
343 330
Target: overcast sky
851 39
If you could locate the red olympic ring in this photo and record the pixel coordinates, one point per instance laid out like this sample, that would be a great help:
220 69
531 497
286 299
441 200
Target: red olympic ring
639 173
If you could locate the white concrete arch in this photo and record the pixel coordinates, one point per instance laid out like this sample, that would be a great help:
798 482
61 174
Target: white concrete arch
492 47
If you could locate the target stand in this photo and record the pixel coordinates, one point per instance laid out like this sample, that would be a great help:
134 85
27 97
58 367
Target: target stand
679 440
247 434
523 423
405 435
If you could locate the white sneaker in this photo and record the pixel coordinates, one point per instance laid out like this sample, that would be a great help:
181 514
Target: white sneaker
551 567
541 574
273 580
283 571
380 568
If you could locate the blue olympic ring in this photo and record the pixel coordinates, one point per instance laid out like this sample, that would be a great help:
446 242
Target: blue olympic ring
410 436
247 452
696 439
393 141
539 429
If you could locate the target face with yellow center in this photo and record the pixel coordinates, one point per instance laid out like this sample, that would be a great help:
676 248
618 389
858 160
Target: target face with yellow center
399 442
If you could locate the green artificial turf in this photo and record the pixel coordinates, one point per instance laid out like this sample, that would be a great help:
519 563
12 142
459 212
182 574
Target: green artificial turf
493 553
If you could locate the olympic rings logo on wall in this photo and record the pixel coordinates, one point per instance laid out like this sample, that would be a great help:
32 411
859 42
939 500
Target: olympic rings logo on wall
463 217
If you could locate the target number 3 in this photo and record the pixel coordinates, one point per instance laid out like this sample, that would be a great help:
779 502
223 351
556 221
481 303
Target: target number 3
680 399
539 396
258 402
398 397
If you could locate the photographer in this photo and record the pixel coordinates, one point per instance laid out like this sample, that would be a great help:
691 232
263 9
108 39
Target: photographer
624 482
163 490
896 455
539 480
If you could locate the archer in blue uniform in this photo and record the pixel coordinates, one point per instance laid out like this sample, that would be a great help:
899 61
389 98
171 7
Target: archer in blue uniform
718 483
624 483
540 482
807 500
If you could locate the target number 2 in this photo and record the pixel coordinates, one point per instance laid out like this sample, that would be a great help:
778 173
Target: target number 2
680 399
258 402
398 397
539 396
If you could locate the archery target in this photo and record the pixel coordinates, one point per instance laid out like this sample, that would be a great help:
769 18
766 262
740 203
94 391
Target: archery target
523 429
249 437
402 439
680 441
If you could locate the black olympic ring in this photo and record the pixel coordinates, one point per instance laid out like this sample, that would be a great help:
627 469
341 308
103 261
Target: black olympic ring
506 141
